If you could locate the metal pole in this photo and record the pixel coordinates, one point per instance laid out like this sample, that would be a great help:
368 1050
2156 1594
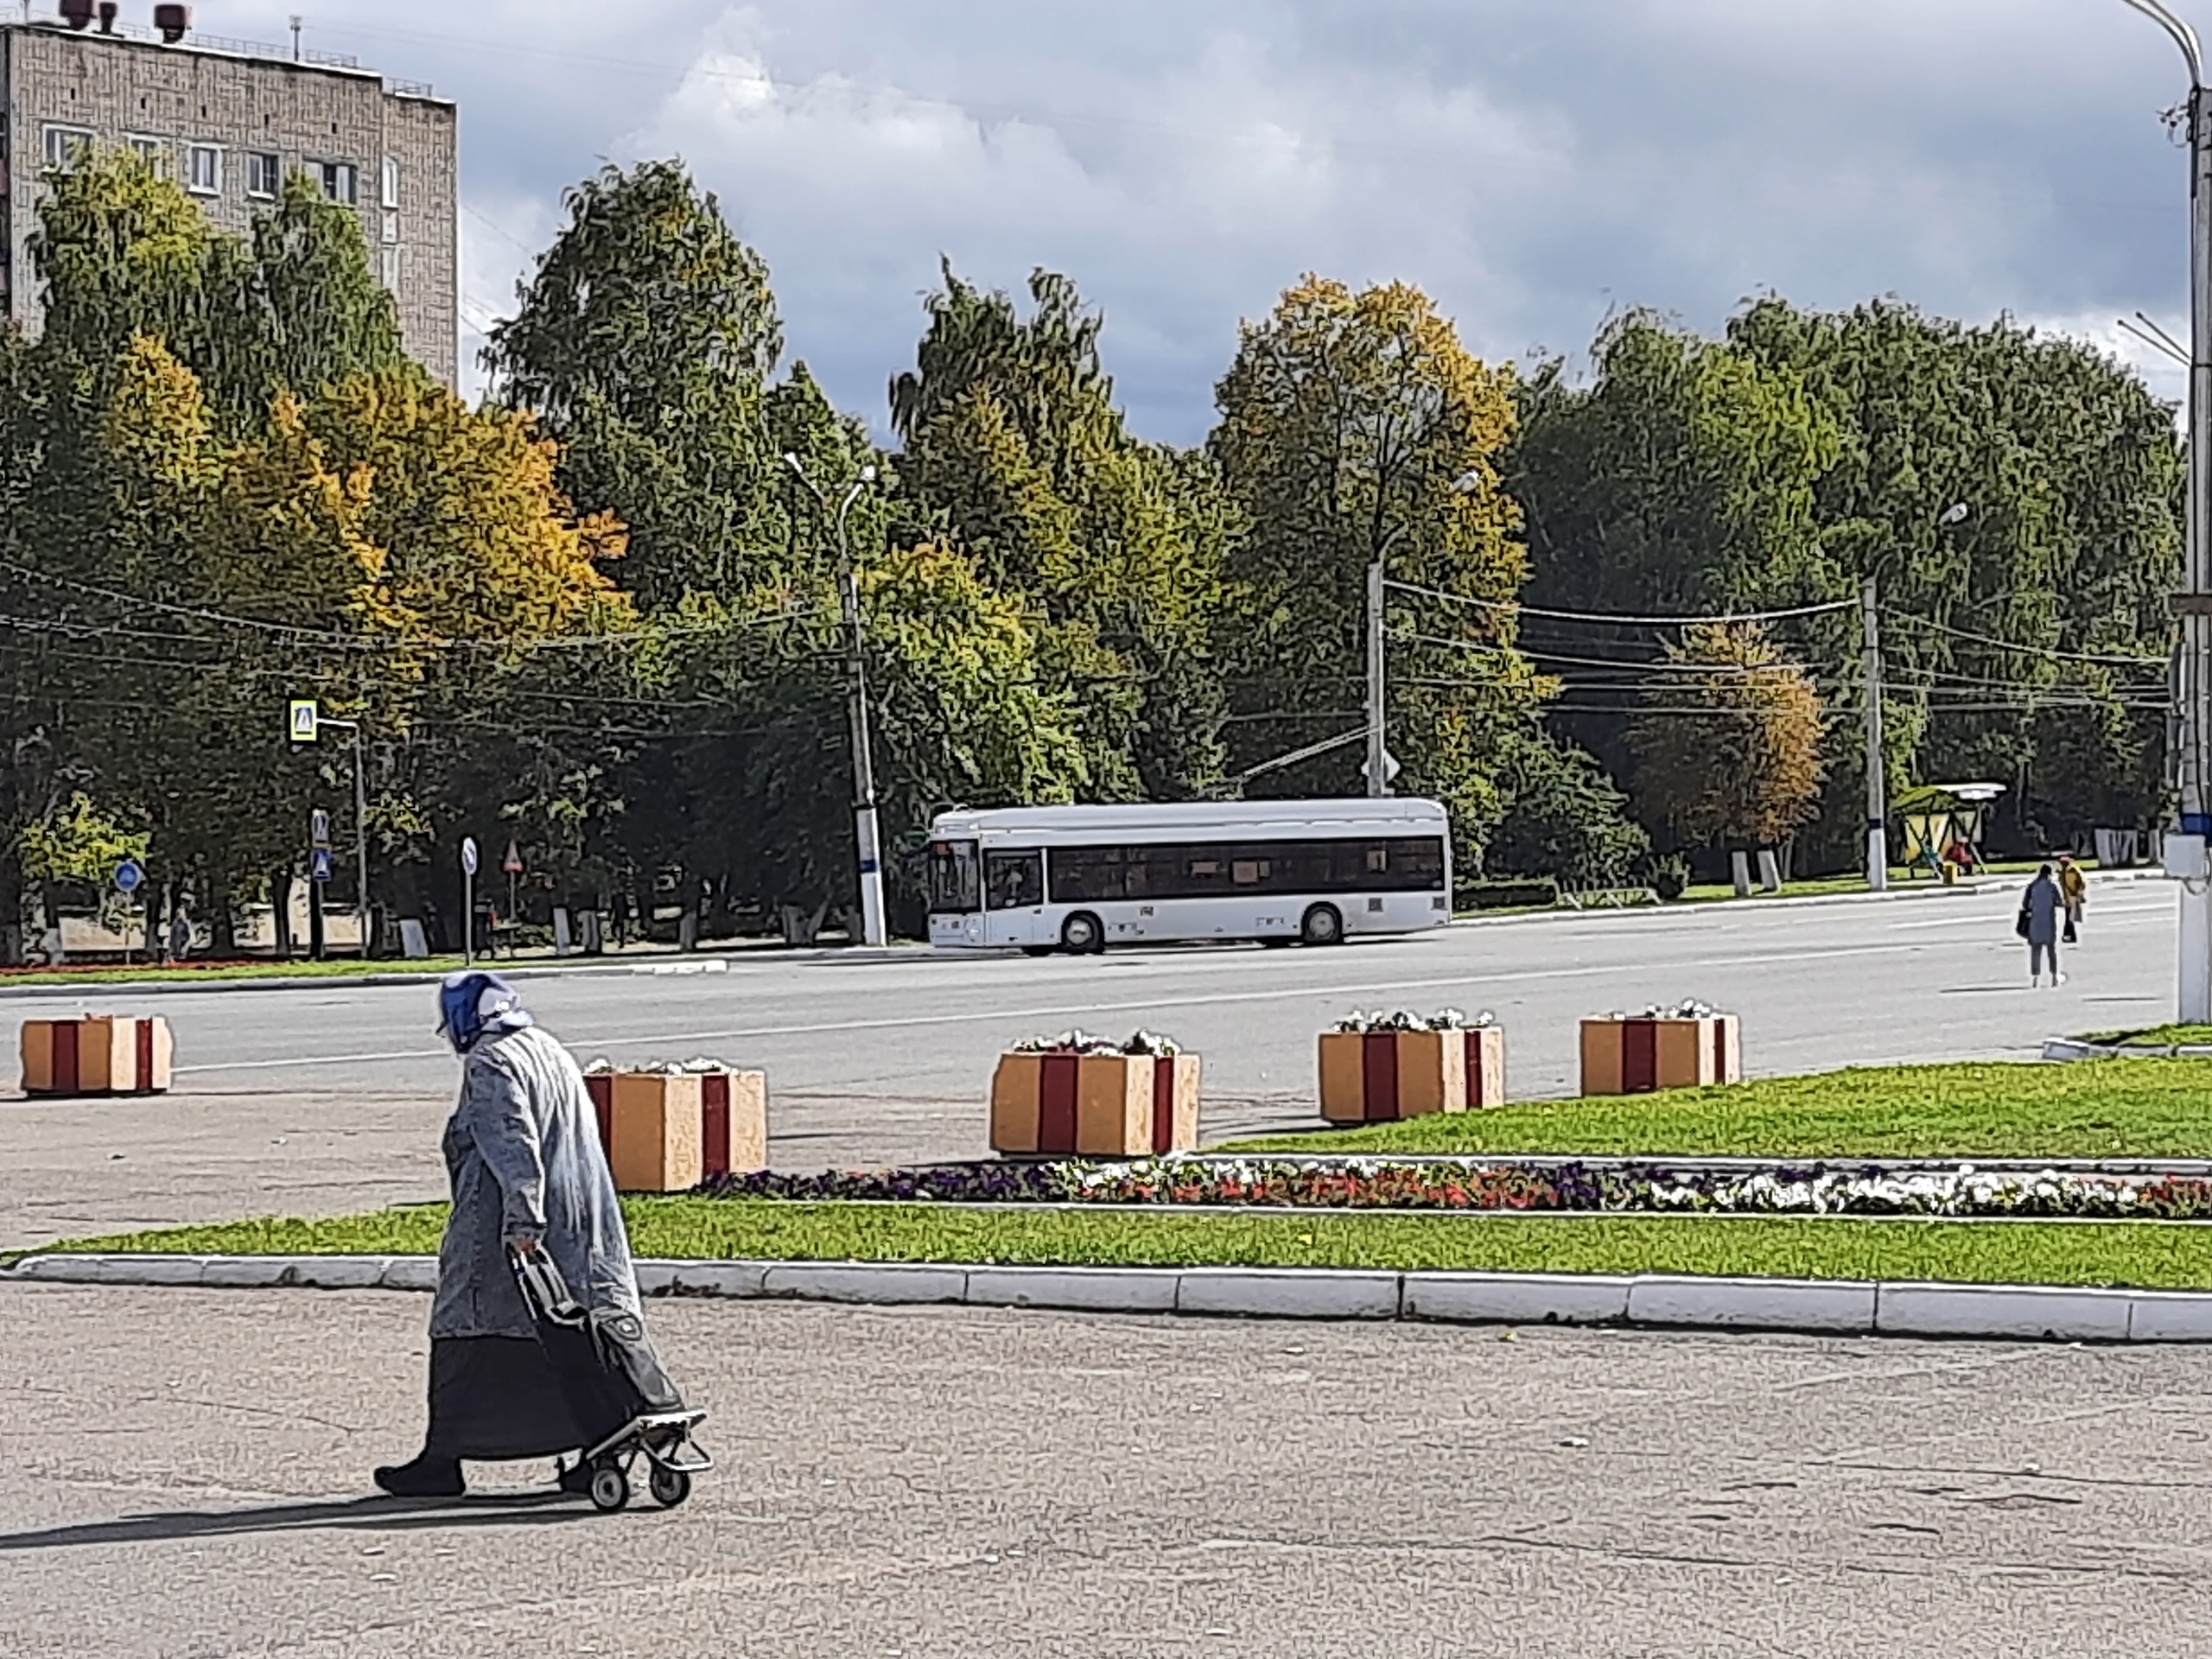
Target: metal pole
2194 1001
2186 852
874 930
1378 759
1877 812
467 917
361 840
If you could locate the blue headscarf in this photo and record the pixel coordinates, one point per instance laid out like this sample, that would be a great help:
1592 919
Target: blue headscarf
473 1002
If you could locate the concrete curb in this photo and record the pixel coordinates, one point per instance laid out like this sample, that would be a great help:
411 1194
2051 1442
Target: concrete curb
1673 1302
2072 1048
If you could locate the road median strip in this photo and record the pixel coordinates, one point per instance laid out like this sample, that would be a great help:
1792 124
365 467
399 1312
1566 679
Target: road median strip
1660 1301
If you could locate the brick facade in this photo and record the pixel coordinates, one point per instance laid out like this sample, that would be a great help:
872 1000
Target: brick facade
210 114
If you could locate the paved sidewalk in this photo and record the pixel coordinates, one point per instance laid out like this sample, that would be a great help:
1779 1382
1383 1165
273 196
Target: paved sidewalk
186 1466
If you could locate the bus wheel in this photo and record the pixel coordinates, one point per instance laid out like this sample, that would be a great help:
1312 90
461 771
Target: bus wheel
1083 935
1322 925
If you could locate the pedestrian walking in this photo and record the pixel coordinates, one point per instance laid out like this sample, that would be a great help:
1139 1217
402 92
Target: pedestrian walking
2074 889
2041 906
179 932
528 1177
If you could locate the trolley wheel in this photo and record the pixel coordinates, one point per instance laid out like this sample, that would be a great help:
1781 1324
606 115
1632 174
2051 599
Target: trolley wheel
671 1487
1324 924
610 1488
1083 935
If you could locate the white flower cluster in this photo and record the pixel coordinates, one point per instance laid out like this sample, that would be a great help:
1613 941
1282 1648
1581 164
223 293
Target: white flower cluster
1962 1192
1406 1020
1078 1041
1691 1009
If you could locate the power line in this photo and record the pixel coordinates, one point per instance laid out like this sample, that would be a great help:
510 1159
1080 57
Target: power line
1621 619
2051 651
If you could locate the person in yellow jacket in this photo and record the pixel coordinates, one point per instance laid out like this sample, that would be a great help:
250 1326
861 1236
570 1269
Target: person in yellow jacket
2073 888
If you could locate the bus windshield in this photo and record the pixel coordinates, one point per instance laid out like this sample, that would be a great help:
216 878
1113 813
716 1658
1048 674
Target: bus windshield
954 883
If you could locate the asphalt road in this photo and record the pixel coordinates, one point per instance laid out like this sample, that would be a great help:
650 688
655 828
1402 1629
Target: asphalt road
185 1474
329 1098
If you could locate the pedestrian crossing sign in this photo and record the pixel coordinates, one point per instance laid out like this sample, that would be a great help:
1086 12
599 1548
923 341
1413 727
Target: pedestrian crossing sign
305 718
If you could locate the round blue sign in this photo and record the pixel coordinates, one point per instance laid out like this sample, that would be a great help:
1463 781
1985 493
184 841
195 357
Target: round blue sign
129 875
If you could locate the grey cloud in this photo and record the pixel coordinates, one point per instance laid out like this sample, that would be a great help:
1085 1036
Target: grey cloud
1531 162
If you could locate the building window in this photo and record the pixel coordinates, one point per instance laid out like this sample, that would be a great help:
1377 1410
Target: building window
341 181
263 173
154 153
388 267
204 176
66 146
390 181
391 228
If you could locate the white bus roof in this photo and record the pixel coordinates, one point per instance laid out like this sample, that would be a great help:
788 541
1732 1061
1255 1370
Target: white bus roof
1170 818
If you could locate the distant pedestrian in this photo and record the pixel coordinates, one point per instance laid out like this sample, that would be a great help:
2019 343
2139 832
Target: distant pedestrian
2041 906
2074 888
180 934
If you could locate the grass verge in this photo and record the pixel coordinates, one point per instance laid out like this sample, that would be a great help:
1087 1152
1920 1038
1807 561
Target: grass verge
94 974
2148 1254
2124 1107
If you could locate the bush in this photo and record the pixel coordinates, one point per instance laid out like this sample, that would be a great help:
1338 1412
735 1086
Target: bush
1504 895
1565 819
1666 875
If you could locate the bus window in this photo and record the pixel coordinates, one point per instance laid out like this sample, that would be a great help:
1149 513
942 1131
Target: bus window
1014 880
953 883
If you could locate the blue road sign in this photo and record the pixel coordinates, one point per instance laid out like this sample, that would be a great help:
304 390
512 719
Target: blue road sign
322 871
128 875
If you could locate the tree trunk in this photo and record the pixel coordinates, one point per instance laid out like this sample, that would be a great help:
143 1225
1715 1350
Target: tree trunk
222 926
280 912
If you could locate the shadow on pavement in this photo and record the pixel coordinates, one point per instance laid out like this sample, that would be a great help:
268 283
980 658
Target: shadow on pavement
357 1514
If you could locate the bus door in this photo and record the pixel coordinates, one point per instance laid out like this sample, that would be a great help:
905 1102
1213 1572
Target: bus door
1013 892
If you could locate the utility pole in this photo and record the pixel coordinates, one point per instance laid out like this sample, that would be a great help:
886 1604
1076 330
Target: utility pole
1878 792
1378 756
875 929
2186 850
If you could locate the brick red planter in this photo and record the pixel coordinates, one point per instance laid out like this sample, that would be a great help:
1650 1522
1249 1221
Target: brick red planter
666 1132
98 1054
1095 1105
1640 1055
1379 1076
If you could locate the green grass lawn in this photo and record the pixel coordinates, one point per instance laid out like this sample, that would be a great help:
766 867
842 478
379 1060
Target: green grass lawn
2150 1254
2125 1108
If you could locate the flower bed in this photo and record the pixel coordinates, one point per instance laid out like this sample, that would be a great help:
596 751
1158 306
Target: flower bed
1964 1193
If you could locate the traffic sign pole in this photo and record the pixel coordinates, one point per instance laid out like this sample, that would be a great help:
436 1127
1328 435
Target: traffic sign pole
469 900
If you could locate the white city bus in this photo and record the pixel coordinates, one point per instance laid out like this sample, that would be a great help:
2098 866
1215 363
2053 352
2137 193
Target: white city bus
1080 878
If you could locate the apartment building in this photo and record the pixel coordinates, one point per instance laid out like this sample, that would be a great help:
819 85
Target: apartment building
230 120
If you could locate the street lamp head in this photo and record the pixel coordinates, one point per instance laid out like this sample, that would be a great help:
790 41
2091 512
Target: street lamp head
867 475
792 462
1954 514
1468 482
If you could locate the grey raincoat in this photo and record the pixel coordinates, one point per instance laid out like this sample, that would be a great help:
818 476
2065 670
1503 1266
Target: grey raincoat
521 1151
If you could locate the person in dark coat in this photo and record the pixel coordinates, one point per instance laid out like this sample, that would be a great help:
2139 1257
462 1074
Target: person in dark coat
523 1155
2041 907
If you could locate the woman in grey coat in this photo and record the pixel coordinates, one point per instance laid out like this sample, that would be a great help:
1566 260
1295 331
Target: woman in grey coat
523 1155
2040 910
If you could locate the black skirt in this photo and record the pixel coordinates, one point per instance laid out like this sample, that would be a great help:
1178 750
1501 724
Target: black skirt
497 1397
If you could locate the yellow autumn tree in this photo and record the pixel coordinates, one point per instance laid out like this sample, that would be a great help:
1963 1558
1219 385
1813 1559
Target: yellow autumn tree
1728 742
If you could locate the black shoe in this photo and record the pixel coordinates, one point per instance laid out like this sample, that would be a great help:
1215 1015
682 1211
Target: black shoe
426 1476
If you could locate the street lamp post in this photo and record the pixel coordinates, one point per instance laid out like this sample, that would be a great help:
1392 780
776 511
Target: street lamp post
2186 852
1379 764
873 928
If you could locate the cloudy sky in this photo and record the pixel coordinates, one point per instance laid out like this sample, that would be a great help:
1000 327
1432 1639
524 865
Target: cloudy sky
1534 164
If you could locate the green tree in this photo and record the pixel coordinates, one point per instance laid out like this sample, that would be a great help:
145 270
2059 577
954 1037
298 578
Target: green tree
1355 429
1011 440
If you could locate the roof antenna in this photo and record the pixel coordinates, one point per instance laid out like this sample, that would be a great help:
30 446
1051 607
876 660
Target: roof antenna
297 21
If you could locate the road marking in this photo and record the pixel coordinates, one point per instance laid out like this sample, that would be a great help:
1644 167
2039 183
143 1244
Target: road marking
1363 988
